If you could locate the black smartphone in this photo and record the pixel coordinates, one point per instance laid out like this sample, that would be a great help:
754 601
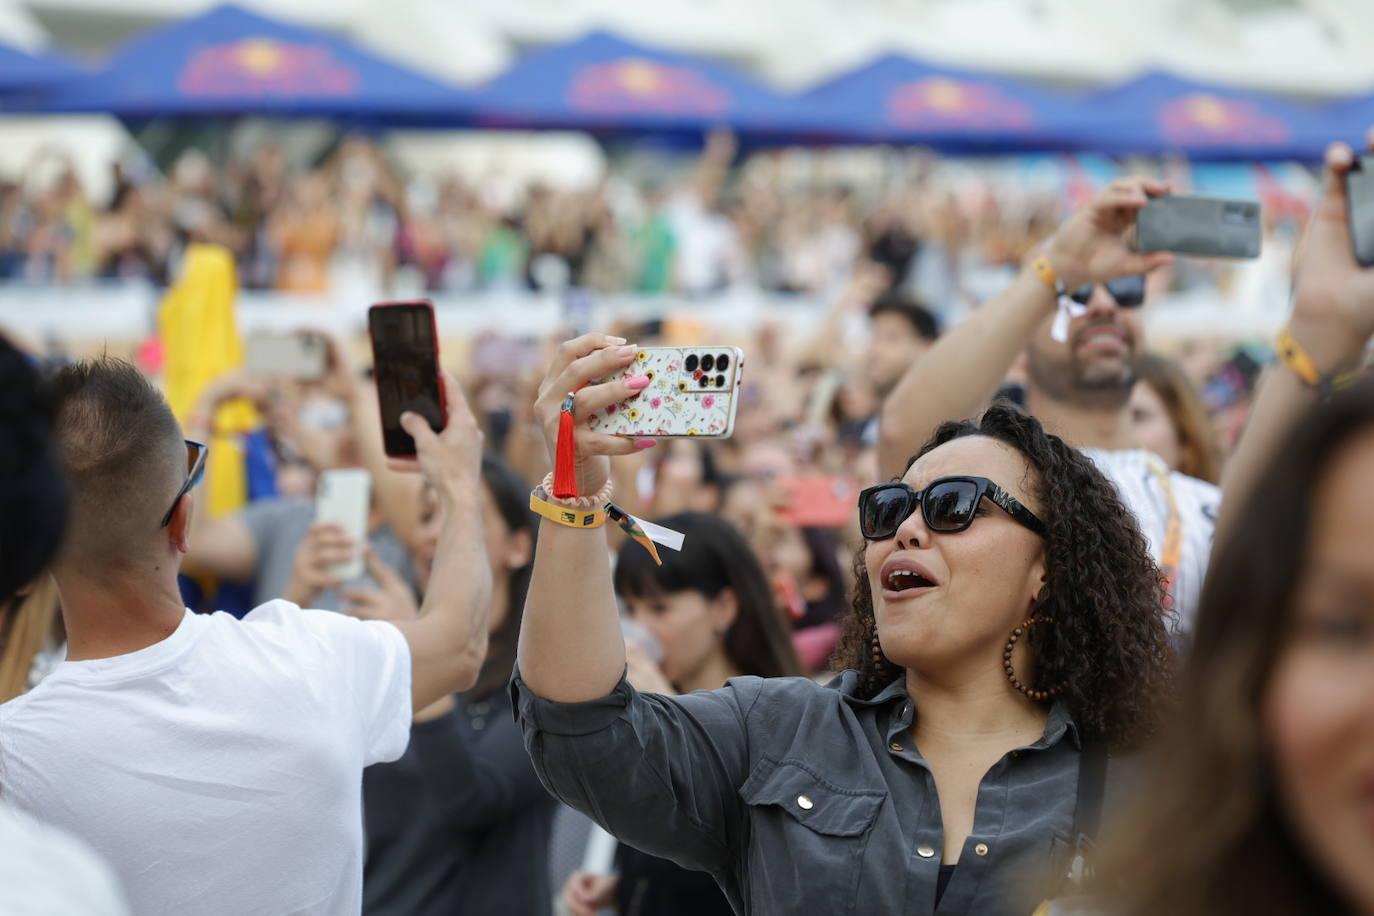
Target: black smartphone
1199 226
1359 203
405 367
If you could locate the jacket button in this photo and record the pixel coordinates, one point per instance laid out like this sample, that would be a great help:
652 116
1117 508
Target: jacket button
925 852
981 849
895 746
805 803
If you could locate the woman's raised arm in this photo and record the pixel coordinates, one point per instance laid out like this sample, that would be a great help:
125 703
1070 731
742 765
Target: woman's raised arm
571 648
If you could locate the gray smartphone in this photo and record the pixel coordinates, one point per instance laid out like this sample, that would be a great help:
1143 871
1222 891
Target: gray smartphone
1199 226
1359 204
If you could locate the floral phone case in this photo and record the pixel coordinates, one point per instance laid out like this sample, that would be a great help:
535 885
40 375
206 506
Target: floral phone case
693 391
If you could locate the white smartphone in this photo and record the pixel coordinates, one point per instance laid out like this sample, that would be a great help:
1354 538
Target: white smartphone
343 497
302 356
693 391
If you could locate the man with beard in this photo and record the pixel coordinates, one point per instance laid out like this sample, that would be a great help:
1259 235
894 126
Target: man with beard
1074 311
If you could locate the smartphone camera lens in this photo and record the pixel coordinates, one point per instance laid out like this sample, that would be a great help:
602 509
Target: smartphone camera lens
720 381
691 363
708 362
723 362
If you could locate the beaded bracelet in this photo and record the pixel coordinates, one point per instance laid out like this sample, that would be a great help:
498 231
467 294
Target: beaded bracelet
595 501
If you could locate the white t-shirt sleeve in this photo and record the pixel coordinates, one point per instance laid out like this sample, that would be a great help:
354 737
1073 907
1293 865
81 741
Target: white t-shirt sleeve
366 660
382 689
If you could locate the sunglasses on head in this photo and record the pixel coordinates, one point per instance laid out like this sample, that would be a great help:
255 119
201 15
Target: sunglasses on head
948 504
1129 292
195 470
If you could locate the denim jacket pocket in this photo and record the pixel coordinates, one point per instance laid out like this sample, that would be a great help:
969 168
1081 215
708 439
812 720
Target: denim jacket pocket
807 838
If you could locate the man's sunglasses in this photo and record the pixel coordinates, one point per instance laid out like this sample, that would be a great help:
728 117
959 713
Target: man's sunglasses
947 505
195 469
1129 292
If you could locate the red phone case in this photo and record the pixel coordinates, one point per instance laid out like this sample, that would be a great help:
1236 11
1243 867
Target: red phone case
434 336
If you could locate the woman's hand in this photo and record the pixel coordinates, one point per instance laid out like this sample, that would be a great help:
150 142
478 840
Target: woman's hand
585 893
325 546
1333 301
1094 244
576 364
643 674
391 600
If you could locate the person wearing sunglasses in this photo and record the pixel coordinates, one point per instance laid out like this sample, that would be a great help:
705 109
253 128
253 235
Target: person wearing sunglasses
1073 318
1007 635
217 763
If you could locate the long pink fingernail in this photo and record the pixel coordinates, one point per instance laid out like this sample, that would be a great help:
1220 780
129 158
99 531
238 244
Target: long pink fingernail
642 444
638 382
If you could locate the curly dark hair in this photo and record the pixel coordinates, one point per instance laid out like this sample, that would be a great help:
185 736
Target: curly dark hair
1109 645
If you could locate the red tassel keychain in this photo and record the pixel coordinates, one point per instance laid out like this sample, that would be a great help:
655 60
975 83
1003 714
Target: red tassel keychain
565 454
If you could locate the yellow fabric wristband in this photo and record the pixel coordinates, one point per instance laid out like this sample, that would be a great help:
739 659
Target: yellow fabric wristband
1296 358
568 516
1042 266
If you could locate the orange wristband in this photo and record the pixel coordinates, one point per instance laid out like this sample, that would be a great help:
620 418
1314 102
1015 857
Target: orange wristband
1042 266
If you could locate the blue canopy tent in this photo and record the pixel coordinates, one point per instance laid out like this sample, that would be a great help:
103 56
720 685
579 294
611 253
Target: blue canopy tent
230 61
604 84
21 71
1162 113
1350 120
900 99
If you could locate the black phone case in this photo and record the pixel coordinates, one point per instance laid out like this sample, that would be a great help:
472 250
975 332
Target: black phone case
405 370
1359 199
1200 226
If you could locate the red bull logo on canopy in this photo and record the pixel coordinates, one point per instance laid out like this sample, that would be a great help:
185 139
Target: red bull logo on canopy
266 66
940 101
634 84
1201 117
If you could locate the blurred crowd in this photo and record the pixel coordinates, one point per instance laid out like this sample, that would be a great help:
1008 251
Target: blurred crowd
700 224
397 691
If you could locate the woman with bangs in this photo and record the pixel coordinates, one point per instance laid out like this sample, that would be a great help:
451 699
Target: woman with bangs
1007 635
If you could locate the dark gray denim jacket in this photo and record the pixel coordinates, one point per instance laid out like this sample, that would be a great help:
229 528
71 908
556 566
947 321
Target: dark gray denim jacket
804 799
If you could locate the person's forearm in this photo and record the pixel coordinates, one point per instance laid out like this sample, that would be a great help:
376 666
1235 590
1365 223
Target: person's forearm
961 372
457 604
571 648
1280 400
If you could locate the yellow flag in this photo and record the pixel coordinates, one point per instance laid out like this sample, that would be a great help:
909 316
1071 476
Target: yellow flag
201 341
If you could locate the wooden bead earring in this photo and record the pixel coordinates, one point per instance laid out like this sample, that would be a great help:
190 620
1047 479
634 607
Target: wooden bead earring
1025 689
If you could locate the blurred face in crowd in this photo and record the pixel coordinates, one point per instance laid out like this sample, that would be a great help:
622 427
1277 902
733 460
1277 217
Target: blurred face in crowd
1096 366
689 626
1319 705
1154 429
894 346
971 588
507 550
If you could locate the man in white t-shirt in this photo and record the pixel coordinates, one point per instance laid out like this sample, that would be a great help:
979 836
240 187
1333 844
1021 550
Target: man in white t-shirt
216 764
1074 310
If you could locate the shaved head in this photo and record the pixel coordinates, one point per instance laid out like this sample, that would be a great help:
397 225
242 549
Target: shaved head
124 457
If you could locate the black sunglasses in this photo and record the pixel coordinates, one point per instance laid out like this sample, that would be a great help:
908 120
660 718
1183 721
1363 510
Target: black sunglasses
195 469
947 505
1129 292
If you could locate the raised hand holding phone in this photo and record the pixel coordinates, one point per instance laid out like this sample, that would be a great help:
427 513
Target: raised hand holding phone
576 366
1094 245
1333 293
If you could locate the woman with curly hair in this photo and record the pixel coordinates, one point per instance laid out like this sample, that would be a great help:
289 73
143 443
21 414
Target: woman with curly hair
1009 633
